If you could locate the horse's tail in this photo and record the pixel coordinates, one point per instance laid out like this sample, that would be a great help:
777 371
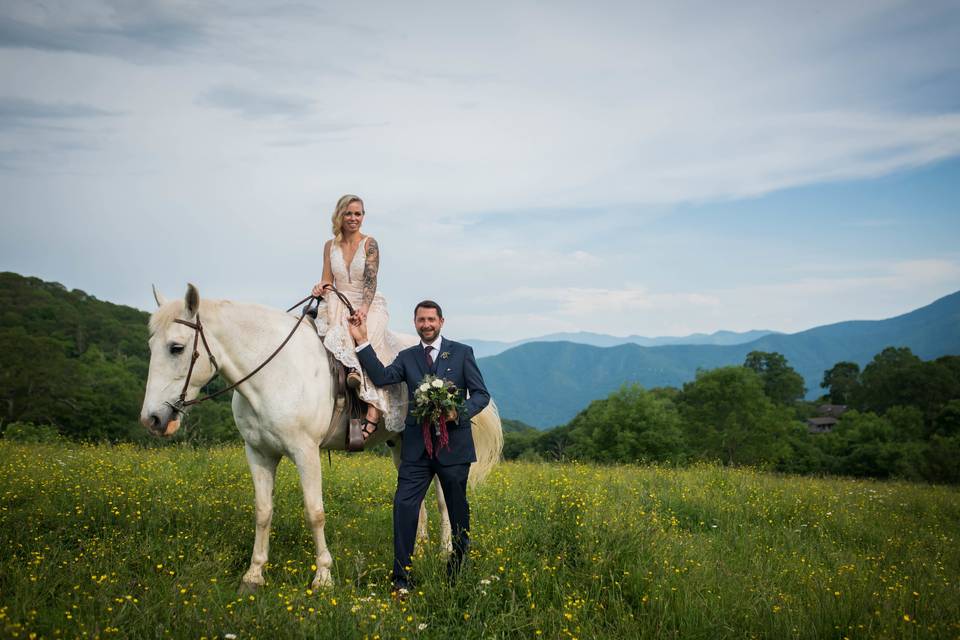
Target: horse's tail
488 441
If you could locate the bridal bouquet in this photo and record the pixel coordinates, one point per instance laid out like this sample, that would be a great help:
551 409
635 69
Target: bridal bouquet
436 401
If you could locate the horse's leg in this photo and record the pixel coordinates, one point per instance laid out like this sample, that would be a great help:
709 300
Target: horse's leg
446 537
423 536
423 527
308 464
263 469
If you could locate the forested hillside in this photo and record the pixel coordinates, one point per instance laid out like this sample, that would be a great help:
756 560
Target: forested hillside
547 383
73 366
75 362
70 360
898 417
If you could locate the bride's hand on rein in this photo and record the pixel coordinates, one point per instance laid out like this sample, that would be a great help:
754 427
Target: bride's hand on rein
319 288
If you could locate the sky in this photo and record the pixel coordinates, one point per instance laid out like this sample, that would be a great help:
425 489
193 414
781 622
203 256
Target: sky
615 167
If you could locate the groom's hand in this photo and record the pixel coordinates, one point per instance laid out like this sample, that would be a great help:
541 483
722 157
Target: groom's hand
358 331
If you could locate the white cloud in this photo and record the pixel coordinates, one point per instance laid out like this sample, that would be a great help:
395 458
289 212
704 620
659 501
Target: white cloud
792 305
233 127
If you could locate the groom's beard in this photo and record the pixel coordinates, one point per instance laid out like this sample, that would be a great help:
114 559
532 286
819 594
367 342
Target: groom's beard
428 335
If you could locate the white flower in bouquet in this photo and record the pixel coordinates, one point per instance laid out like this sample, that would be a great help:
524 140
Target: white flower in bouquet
436 402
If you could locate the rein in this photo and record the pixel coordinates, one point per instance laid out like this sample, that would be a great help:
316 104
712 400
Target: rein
199 336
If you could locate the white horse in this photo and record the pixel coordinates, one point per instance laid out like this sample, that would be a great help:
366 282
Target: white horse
284 410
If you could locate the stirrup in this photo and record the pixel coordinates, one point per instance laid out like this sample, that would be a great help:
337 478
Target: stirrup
358 434
355 440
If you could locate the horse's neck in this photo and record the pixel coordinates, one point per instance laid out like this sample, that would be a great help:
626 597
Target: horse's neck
243 336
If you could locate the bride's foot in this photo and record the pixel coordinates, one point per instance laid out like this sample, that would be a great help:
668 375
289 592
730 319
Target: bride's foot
368 429
353 379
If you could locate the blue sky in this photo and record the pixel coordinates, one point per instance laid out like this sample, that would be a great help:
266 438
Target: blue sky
643 168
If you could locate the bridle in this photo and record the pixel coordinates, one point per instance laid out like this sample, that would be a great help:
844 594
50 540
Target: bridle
199 337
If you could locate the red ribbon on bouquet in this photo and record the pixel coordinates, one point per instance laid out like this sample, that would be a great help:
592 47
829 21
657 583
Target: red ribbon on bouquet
443 438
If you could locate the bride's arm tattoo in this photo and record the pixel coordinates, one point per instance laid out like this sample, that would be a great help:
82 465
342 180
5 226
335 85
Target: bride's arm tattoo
370 268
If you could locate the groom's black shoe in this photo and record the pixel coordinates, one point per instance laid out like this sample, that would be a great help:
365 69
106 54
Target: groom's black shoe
401 589
402 582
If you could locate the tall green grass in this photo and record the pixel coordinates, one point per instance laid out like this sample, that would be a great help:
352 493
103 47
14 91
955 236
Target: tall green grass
124 542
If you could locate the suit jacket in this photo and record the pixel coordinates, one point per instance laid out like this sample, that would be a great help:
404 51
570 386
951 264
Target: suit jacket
455 363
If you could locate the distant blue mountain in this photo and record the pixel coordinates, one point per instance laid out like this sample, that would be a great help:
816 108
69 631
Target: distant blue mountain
483 348
547 383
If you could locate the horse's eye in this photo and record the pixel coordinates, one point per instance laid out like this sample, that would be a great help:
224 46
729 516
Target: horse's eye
176 349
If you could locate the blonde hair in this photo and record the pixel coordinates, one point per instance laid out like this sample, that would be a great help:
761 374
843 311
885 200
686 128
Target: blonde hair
337 218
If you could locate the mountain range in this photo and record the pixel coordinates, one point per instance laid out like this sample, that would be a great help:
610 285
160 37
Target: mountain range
483 348
547 383
542 383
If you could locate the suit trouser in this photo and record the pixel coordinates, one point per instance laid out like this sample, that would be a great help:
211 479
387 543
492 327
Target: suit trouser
413 480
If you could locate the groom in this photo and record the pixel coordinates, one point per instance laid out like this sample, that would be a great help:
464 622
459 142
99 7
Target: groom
450 463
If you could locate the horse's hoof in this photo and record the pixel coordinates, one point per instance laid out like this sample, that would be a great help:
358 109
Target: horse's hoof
322 582
249 588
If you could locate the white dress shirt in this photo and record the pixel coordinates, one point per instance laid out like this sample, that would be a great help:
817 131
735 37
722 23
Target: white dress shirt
434 346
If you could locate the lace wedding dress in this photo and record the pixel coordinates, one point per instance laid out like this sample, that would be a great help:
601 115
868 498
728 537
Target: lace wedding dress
332 326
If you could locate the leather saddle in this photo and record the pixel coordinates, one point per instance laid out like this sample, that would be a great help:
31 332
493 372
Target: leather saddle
347 401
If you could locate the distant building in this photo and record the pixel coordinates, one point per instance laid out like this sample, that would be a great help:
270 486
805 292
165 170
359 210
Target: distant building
826 419
831 410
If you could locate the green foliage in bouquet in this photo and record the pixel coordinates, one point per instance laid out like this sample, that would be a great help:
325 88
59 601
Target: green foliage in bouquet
436 397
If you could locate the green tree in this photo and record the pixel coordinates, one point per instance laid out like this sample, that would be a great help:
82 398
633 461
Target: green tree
781 383
883 383
554 444
866 444
519 439
728 416
842 381
907 423
629 425
38 380
942 454
947 422
804 456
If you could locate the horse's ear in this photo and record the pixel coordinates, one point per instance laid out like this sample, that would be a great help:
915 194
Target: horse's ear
191 301
161 300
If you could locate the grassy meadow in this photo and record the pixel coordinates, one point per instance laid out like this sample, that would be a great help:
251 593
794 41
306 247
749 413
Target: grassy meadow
126 542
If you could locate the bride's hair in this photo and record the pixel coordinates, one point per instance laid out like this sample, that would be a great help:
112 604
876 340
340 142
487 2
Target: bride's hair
342 204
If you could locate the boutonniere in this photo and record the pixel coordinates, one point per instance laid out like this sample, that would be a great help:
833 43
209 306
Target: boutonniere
444 355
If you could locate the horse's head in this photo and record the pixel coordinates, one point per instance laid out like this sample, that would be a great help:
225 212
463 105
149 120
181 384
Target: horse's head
171 349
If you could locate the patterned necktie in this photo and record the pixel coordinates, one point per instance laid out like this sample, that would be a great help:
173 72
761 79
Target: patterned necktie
427 349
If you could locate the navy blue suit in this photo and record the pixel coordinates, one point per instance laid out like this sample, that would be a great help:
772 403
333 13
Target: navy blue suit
454 362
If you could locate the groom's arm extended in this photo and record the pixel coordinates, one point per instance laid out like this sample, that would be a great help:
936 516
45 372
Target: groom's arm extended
379 374
479 396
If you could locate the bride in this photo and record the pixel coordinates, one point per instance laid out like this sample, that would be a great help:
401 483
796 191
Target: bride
351 261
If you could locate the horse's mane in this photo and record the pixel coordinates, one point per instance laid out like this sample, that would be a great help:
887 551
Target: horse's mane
173 309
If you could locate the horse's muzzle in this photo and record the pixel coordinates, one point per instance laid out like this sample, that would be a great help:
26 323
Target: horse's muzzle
163 422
